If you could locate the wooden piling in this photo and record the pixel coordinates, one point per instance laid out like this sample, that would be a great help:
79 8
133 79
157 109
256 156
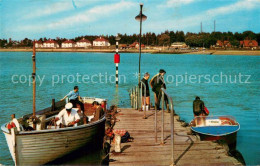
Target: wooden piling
34 83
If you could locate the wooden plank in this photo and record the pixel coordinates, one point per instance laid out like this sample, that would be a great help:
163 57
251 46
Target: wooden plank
144 151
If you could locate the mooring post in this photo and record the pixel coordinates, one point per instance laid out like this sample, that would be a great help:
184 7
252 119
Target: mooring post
117 59
162 123
53 105
34 84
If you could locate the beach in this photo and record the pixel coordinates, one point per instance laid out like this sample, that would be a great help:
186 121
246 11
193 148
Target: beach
153 51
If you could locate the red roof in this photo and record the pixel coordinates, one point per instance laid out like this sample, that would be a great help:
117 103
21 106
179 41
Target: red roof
50 41
249 43
227 43
134 44
101 39
69 41
84 40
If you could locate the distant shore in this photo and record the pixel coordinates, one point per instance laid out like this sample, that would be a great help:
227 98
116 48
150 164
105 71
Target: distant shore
205 52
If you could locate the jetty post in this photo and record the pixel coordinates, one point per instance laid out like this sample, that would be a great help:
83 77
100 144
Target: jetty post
34 83
140 17
117 59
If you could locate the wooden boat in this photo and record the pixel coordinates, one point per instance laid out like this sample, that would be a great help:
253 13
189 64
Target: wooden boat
212 128
47 144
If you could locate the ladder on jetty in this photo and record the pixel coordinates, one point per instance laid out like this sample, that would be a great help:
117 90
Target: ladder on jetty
146 150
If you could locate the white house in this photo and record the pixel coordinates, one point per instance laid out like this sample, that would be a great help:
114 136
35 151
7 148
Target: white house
101 42
83 43
38 44
179 45
50 44
68 44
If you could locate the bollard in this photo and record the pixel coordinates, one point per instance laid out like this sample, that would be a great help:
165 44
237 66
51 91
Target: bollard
117 143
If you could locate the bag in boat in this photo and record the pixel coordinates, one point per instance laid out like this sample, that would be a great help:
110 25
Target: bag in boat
206 110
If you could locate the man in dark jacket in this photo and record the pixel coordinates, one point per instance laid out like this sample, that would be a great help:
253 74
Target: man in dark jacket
198 107
156 83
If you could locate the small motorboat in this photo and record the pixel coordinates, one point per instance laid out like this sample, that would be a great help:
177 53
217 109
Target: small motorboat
211 128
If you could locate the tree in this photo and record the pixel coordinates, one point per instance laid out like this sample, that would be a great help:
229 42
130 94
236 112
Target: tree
164 39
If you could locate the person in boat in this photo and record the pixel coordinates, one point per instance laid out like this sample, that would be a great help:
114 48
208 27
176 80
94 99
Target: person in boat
156 83
74 98
99 111
199 110
67 117
146 101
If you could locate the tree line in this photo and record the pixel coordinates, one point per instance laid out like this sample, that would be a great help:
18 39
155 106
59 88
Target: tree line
165 38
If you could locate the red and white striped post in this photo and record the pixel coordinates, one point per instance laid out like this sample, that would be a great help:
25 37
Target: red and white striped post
117 59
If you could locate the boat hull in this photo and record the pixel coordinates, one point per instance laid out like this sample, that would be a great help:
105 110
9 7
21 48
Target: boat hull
41 147
229 139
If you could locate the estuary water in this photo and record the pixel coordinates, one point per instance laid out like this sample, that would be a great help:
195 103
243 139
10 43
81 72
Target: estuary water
229 85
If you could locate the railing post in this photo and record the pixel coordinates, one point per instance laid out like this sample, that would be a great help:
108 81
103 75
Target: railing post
136 97
131 96
155 124
162 122
172 131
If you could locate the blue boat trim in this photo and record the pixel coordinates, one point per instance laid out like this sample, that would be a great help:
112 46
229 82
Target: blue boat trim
216 130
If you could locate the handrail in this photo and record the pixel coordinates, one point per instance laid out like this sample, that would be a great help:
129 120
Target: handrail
163 92
136 98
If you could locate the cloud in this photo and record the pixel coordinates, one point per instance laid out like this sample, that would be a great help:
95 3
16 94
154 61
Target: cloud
194 20
86 16
176 3
50 9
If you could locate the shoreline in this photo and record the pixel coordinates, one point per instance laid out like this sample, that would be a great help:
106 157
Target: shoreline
152 51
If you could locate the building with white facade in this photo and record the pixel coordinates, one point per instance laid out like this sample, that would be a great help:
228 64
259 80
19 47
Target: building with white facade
50 44
68 44
83 43
101 42
38 44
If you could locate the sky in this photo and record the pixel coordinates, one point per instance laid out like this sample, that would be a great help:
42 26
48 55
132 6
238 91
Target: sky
71 18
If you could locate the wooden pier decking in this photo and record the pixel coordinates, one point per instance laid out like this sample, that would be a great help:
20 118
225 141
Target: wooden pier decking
188 149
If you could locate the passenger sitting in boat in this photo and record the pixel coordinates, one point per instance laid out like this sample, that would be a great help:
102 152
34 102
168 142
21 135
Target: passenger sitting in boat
13 123
74 98
67 117
198 110
99 111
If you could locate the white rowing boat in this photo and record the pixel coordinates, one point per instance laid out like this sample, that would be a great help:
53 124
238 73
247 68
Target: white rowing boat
44 145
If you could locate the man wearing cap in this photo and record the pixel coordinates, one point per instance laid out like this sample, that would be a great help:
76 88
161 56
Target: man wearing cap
68 117
74 98
156 83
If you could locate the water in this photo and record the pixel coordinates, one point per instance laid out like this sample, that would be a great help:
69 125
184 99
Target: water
240 100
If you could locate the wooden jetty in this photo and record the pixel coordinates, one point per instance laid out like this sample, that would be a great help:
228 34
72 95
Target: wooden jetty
188 149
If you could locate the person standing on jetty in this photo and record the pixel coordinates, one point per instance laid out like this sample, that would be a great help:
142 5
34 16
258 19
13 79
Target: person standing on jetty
146 101
74 98
156 83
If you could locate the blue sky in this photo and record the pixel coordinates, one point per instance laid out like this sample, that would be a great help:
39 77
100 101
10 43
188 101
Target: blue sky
72 18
